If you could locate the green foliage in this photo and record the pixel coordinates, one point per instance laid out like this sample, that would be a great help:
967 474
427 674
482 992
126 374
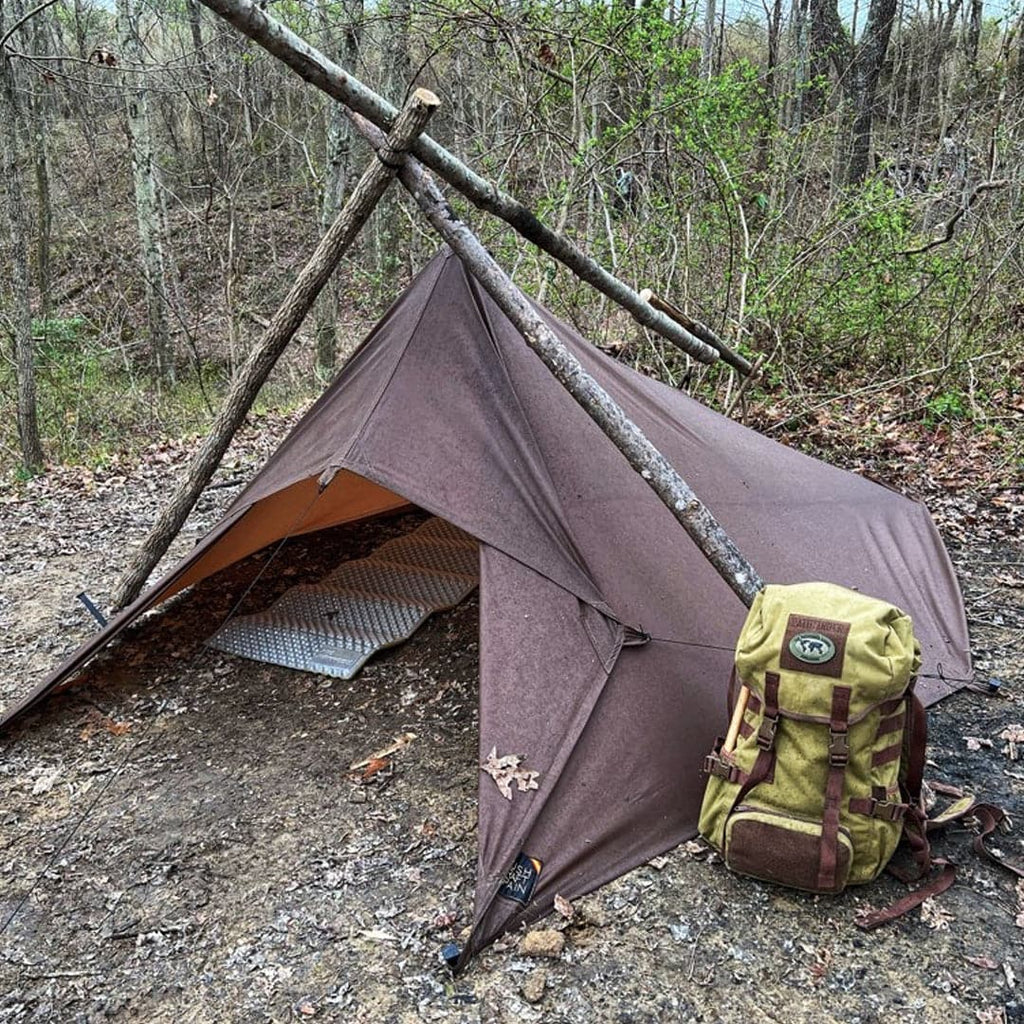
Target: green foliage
946 405
92 401
859 289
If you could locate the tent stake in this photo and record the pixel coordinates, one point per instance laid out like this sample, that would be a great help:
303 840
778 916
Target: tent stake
318 70
671 488
285 322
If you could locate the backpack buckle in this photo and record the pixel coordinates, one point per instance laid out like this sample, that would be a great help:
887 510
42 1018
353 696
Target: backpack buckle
721 769
838 749
888 811
766 732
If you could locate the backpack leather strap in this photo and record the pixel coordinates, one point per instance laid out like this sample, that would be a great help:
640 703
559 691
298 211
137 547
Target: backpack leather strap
940 882
916 734
765 739
838 758
990 817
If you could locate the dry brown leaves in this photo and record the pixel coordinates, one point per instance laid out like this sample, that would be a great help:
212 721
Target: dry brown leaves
1014 736
506 769
564 908
95 721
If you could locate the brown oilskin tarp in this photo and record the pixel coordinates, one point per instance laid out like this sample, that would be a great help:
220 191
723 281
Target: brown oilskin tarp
445 406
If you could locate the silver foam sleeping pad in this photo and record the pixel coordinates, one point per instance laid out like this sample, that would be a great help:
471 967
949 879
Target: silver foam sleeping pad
334 626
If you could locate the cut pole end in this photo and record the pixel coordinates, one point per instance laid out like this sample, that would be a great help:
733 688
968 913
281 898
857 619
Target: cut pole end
426 98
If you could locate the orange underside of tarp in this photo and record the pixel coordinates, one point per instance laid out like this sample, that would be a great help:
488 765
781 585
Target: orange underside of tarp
295 510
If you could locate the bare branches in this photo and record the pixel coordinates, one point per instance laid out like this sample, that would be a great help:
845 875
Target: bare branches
316 69
950 226
23 19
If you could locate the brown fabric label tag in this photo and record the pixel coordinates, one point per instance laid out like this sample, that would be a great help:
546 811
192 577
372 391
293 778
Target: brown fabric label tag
814 645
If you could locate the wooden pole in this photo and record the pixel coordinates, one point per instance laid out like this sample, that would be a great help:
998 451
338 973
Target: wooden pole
283 325
318 70
671 488
698 330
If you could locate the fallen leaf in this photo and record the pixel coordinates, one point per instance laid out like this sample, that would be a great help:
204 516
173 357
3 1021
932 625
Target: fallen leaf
984 962
45 782
392 748
1014 735
378 764
564 907
96 720
505 770
935 916
990 1015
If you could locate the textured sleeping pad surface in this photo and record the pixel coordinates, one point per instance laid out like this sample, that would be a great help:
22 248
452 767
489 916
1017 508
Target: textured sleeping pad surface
334 626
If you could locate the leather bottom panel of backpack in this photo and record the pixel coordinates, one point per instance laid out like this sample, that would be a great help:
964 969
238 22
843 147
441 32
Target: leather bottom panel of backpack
782 848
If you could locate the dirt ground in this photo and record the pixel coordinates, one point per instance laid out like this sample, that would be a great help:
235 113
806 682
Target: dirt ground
181 838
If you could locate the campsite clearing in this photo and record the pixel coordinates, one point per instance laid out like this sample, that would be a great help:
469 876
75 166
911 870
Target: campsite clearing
233 869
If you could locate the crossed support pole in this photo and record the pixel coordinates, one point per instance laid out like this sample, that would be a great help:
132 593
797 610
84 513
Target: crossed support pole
392 157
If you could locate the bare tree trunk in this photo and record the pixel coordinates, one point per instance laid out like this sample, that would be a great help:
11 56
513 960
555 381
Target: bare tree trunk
829 44
282 327
17 221
708 39
210 142
801 64
39 130
386 232
972 36
865 70
768 129
336 180
149 222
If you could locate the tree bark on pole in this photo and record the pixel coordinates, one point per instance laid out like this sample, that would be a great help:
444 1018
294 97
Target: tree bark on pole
279 332
680 499
327 76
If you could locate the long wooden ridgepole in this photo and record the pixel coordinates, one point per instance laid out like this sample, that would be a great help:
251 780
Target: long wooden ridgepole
285 322
327 76
677 495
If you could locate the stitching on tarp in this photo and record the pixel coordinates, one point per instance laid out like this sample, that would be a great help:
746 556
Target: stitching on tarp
595 642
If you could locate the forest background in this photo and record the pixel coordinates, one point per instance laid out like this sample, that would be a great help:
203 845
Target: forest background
836 190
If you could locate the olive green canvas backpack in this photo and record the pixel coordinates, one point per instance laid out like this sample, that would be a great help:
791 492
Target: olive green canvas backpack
821 770
820 775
